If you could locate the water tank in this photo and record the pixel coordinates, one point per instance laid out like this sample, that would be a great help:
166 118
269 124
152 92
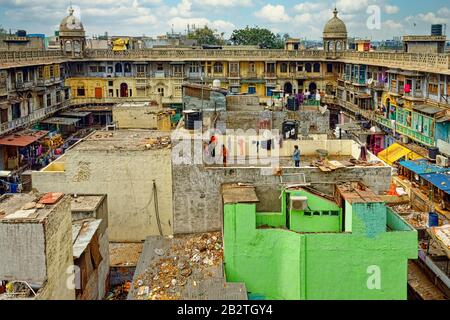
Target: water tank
21 33
216 84
290 130
190 117
433 219
436 29
433 153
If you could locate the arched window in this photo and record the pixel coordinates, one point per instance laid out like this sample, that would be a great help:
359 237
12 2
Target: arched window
80 91
330 46
283 68
118 68
77 46
123 90
68 46
218 67
308 67
127 67
316 67
339 46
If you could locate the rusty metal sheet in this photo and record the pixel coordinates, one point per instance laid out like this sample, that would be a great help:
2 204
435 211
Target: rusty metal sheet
84 236
235 193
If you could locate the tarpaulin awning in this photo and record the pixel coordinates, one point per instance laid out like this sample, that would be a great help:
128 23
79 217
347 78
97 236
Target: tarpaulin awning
23 138
422 167
439 180
396 152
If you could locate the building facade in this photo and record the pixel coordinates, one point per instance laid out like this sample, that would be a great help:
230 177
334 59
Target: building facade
405 93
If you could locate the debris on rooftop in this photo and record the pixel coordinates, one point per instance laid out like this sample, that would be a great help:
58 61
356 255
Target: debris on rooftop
124 254
182 262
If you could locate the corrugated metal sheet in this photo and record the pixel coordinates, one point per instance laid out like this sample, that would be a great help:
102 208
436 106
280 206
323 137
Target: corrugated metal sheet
428 109
23 139
422 167
86 230
61 121
439 180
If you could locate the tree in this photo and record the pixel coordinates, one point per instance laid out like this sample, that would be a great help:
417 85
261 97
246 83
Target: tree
206 36
3 31
258 37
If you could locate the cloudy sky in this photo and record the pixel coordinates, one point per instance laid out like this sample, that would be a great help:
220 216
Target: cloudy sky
304 19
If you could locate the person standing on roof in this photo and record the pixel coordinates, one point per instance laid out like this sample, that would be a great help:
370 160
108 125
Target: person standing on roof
224 155
296 157
212 144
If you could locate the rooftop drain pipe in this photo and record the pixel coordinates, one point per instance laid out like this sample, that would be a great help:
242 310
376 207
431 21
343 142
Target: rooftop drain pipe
155 197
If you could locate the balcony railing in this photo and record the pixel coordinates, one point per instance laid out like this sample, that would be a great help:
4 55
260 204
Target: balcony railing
271 75
31 56
31 118
411 61
195 54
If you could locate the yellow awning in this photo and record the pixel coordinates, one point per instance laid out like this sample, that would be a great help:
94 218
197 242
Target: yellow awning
396 152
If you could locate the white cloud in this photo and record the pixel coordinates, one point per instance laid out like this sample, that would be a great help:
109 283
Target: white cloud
273 13
392 25
225 3
445 12
350 6
429 17
309 7
389 9
180 24
183 9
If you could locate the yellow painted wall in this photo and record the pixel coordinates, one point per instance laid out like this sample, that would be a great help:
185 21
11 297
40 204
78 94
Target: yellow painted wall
89 85
260 88
259 69
56 71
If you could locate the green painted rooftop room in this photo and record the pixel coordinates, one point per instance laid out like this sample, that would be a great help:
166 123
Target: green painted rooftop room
354 247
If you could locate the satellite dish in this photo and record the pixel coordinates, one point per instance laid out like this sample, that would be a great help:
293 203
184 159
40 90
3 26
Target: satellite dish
370 81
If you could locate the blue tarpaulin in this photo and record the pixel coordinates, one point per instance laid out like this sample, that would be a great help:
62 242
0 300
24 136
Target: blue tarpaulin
439 180
422 167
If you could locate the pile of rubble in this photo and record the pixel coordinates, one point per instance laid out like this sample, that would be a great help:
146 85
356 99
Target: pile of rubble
157 143
187 260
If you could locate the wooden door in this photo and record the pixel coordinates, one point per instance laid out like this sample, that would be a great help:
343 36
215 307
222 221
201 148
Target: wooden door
98 93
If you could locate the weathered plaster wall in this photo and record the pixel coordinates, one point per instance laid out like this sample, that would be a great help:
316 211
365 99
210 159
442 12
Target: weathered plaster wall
197 203
126 177
135 117
310 119
22 252
40 253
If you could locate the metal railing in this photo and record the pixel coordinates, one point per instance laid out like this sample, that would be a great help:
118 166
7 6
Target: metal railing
31 118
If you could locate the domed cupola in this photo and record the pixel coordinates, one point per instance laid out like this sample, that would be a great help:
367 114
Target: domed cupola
335 34
71 34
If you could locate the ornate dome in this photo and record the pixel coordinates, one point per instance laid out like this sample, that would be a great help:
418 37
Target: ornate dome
335 28
71 26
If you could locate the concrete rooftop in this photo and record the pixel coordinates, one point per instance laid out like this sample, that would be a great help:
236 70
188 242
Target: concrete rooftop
133 140
24 208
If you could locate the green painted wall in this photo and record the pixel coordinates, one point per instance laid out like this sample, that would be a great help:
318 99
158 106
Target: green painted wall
270 219
318 217
281 264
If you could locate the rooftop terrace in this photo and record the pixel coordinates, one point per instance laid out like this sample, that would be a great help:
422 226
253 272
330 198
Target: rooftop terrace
27 207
